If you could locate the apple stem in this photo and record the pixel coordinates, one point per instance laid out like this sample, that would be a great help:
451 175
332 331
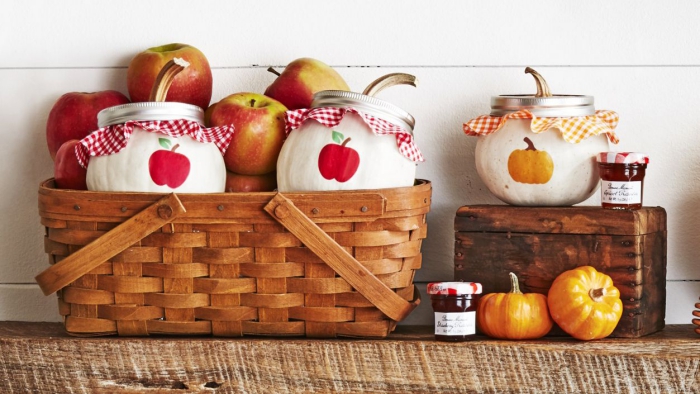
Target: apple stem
345 142
175 147
272 70
165 78
252 102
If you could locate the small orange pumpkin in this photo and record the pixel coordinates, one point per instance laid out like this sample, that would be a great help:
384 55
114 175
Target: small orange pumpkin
585 303
514 315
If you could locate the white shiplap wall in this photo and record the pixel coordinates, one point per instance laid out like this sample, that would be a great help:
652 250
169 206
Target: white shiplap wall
638 58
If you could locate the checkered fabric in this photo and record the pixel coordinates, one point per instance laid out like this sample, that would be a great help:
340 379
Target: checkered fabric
331 117
574 129
112 139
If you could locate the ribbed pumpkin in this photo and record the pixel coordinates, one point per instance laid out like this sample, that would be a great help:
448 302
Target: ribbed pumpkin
585 303
514 315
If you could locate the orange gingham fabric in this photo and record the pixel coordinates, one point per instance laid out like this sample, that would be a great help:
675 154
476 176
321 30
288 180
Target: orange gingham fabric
574 129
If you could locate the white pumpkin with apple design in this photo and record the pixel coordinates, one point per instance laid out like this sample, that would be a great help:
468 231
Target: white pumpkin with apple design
348 152
156 146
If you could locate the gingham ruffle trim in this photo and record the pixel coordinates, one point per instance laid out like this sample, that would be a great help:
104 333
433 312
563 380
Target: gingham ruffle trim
112 139
573 129
331 117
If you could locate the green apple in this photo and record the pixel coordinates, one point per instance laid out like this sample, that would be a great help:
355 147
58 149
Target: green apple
301 79
258 135
193 85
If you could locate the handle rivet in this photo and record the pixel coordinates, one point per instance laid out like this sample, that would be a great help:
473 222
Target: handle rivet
314 211
364 209
165 211
220 207
76 207
123 209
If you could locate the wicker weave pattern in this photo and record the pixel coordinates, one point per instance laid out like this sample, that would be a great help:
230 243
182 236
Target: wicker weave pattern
226 268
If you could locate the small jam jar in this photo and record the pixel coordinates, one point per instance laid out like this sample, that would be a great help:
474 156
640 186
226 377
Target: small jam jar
622 179
454 304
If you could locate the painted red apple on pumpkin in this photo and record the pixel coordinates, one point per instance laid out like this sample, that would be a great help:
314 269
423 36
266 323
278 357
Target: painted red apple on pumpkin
168 167
338 161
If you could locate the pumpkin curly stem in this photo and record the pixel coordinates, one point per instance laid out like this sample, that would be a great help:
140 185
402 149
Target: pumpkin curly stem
514 285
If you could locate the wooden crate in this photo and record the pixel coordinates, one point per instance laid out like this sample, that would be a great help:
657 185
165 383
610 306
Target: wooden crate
539 243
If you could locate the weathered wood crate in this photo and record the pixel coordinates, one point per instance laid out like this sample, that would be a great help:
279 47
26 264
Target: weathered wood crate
539 243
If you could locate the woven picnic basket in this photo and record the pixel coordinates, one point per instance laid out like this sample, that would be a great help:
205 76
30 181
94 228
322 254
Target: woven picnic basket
320 264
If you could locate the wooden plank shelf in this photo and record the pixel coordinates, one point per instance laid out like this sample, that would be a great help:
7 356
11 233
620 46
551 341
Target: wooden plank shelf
41 358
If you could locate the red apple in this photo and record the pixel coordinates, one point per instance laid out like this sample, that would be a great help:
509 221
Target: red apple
74 116
258 135
301 79
67 171
168 167
250 183
338 162
193 85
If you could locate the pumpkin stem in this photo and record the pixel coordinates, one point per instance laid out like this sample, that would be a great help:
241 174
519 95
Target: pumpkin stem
542 86
165 78
597 294
175 147
345 142
530 144
272 70
514 285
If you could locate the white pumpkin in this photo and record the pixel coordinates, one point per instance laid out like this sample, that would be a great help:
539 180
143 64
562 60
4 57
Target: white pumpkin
154 162
309 161
557 173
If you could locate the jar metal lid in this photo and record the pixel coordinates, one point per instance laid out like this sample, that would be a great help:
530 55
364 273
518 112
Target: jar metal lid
364 103
454 288
153 110
558 105
623 158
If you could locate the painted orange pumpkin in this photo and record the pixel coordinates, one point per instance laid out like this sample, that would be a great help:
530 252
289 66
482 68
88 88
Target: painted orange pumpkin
530 165
514 315
585 303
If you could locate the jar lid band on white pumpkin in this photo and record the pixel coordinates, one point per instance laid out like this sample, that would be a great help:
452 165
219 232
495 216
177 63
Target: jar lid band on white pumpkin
364 103
454 288
623 158
152 110
573 129
555 106
332 116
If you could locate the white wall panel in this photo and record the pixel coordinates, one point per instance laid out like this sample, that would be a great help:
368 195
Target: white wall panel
85 33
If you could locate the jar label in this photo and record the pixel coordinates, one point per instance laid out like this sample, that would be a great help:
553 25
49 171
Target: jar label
461 323
621 192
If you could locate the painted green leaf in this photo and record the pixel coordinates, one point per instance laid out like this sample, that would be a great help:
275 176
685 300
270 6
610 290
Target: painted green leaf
164 142
338 137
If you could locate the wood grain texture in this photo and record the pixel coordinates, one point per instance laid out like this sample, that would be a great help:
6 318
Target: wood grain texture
540 243
40 358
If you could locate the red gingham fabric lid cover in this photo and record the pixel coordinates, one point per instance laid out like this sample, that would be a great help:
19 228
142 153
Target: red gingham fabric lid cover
454 288
574 129
332 116
112 139
623 157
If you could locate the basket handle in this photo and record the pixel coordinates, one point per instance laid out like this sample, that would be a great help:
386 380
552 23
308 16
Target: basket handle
342 262
110 244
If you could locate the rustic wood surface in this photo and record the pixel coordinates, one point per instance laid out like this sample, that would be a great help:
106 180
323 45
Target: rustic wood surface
41 358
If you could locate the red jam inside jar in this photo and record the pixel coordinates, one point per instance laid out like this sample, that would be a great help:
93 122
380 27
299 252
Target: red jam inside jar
454 304
622 179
